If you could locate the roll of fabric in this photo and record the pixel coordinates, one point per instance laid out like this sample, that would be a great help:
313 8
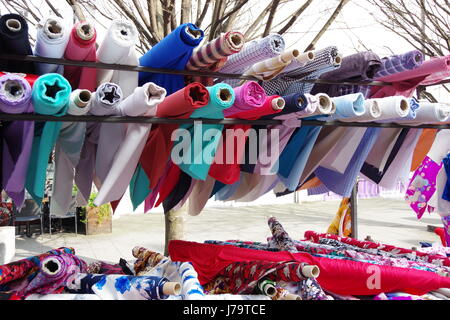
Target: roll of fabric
51 41
405 83
222 97
325 60
118 47
280 236
30 78
396 107
225 45
399 63
430 113
50 96
26 268
151 263
143 102
119 287
248 96
373 112
163 55
67 154
17 137
63 296
348 106
358 67
253 52
55 271
177 105
209 260
81 47
270 68
213 55
105 101
14 38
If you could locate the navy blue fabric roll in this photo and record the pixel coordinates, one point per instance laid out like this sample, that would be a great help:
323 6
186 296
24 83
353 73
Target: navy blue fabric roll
14 40
172 52
178 192
294 103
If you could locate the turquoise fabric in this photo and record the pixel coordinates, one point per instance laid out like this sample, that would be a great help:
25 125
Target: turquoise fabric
139 187
198 168
50 96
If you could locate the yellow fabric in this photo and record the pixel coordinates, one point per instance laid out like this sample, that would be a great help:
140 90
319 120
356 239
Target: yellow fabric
341 223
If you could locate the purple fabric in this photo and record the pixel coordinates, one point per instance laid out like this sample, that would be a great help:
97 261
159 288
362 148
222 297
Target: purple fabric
55 272
343 184
247 97
446 222
17 136
422 186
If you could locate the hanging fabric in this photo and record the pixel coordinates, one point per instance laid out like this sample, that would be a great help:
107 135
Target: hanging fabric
17 136
50 96
67 154
143 102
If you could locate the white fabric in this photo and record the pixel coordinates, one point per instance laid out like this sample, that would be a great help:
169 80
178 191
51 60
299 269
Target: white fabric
143 102
430 113
51 43
118 47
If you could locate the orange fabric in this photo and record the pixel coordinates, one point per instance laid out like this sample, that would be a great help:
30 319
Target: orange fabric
313 183
423 147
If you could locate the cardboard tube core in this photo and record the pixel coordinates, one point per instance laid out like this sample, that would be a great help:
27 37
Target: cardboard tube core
376 110
310 271
13 25
338 60
13 89
83 98
236 40
278 103
85 31
311 55
291 296
172 288
54 27
404 105
224 94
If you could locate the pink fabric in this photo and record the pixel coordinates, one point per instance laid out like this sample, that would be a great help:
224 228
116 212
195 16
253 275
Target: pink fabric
247 97
81 50
422 186
404 83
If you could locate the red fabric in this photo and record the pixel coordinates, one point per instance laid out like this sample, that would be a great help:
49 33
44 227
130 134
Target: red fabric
343 277
178 105
31 78
315 237
170 181
440 232
81 50
228 172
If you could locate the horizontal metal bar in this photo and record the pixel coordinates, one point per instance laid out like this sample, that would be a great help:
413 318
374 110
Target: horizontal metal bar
112 119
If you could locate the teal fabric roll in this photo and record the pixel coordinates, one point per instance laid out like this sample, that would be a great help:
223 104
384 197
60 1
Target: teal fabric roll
201 156
50 96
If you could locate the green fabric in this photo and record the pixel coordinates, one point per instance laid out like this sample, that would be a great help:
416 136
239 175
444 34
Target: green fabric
50 96
213 110
139 187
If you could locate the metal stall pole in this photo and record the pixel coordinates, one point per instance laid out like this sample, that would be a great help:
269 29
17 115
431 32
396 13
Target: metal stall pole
354 210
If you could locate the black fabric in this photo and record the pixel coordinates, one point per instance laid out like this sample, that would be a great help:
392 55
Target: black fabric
15 42
178 193
372 172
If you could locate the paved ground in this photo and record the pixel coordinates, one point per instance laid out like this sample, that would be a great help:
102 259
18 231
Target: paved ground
386 220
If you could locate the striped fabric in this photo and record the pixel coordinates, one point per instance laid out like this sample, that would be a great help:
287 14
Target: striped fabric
215 51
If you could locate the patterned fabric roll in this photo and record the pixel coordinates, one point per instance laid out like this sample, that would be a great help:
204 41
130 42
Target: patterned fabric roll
325 60
215 51
280 236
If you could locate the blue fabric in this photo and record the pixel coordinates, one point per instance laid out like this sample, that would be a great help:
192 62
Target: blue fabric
342 184
292 105
50 96
227 191
446 194
299 151
172 52
348 106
